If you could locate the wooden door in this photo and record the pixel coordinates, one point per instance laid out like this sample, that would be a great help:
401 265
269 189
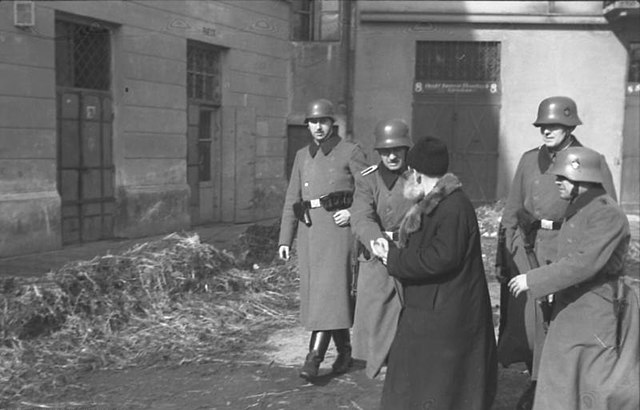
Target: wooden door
457 99
204 137
630 190
469 127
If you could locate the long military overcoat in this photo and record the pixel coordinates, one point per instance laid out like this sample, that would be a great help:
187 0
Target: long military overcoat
444 352
585 364
535 191
324 248
376 209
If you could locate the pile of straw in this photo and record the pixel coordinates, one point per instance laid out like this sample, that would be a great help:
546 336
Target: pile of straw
172 300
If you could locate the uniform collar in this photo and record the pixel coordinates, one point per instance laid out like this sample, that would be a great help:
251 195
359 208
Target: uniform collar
326 145
546 156
389 177
583 200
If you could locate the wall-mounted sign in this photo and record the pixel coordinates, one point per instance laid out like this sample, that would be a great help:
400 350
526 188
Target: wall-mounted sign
456 87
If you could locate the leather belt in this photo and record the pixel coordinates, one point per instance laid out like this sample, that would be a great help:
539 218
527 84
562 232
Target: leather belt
547 224
312 203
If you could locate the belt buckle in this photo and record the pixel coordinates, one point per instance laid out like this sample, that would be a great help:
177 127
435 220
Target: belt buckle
315 203
391 235
546 224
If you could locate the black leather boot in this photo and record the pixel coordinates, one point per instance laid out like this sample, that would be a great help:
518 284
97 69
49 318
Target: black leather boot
342 340
318 345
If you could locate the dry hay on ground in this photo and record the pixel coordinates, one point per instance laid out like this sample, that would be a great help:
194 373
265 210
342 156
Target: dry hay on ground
172 300
175 300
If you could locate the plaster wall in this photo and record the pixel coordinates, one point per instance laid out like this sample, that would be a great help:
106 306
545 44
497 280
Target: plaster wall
149 47
587 63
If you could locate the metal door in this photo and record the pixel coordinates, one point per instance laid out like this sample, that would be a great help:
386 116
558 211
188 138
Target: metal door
85 171
457 99
85 165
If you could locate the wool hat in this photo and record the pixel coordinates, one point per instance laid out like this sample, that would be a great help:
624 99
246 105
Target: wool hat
429 156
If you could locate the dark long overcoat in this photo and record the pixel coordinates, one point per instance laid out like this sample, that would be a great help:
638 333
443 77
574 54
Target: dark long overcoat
535 191
376 209
444 352
591 357
324 248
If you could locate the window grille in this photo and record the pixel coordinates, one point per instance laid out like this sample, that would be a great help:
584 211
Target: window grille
457 61
203 73
82 55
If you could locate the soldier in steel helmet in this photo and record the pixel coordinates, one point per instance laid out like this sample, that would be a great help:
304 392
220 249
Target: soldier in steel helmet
317 213
591 357
534 197
378 208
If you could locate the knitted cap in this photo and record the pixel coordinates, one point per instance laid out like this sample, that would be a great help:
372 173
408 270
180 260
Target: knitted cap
429 156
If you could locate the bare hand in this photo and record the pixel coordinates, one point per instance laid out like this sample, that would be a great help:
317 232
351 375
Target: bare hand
380 249
518 284
342 217
283 252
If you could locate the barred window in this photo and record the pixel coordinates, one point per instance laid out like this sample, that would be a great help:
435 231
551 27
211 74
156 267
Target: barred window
203 72
457 61
82 55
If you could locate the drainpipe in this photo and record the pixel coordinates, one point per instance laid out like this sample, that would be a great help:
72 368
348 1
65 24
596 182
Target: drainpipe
350 21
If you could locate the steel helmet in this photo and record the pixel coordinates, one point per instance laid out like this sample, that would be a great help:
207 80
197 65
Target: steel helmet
391 134
558 110
578 164
320 108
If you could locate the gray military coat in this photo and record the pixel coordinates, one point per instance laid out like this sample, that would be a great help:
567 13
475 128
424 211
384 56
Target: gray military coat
324 248
535 191
376 209
591 356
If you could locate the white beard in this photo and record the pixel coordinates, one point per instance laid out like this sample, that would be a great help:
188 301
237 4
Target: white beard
413 190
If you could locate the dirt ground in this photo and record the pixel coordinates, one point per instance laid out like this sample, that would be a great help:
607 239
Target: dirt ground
262 378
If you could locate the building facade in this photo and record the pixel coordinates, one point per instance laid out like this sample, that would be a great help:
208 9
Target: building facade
130 118
474 72
137 117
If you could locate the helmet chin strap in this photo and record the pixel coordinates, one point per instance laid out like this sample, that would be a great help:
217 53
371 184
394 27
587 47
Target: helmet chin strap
565 142
575 190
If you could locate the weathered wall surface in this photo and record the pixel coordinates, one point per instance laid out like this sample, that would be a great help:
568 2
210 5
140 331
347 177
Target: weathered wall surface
149 47
542 55
29 202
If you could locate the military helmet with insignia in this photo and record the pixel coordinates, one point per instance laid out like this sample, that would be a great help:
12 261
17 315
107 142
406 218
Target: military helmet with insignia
321 108
392 134
558 110
578 164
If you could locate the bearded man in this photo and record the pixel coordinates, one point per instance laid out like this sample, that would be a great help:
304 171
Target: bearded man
444 352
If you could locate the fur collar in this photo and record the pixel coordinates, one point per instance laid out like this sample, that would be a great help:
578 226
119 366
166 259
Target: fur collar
412 220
